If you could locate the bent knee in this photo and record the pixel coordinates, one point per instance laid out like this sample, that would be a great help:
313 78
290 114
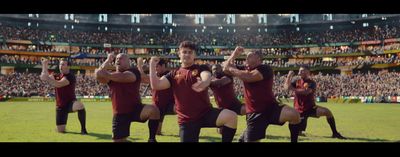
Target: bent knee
155 110
326 112
78 105
294 116
228 114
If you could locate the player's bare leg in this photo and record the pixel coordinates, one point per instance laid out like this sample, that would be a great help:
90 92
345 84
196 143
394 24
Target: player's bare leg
322 111
227 120
289 114
78 106
151 113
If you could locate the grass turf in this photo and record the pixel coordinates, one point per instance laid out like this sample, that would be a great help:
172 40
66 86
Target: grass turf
35 122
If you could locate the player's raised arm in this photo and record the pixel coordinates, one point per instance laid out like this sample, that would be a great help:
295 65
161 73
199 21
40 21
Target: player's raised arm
122 73
123 77
144 77
101 72
203 82
49 78
45 68
230 61
288 85
244 75
305 91
220 82
108 61
156 82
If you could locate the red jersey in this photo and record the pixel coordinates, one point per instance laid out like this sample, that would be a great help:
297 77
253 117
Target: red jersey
162 98
189 104
125 96
304 103
259 96
225 95
66 94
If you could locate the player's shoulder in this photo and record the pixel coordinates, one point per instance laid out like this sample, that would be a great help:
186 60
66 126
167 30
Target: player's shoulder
166 72
71 74
173 71
170 73
263 68
133 69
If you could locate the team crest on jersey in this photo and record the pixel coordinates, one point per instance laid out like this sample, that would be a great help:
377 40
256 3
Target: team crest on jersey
305 85
195 72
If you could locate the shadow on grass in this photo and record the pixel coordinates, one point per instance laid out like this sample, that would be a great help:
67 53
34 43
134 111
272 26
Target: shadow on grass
351 138
285 138
171 135
99 136
211 139
102 136
206 138
364 139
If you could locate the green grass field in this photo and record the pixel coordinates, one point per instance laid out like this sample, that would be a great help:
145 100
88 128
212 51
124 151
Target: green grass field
35 122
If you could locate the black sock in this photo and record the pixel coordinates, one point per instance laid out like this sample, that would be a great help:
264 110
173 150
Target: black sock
82 119
303 124
332 124
153 126
294 132
227 134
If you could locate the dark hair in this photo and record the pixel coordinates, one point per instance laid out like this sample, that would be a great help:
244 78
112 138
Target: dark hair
188 44
305 67
162 62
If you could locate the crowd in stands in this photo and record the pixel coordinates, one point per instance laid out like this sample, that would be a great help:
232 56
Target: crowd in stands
174 63
328 85
282 37
358 84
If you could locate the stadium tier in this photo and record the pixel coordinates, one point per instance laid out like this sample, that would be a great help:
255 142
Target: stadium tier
350 55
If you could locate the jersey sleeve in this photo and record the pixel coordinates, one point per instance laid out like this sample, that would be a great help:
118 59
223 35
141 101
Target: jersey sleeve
170 75
137 73
266 71
71 78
